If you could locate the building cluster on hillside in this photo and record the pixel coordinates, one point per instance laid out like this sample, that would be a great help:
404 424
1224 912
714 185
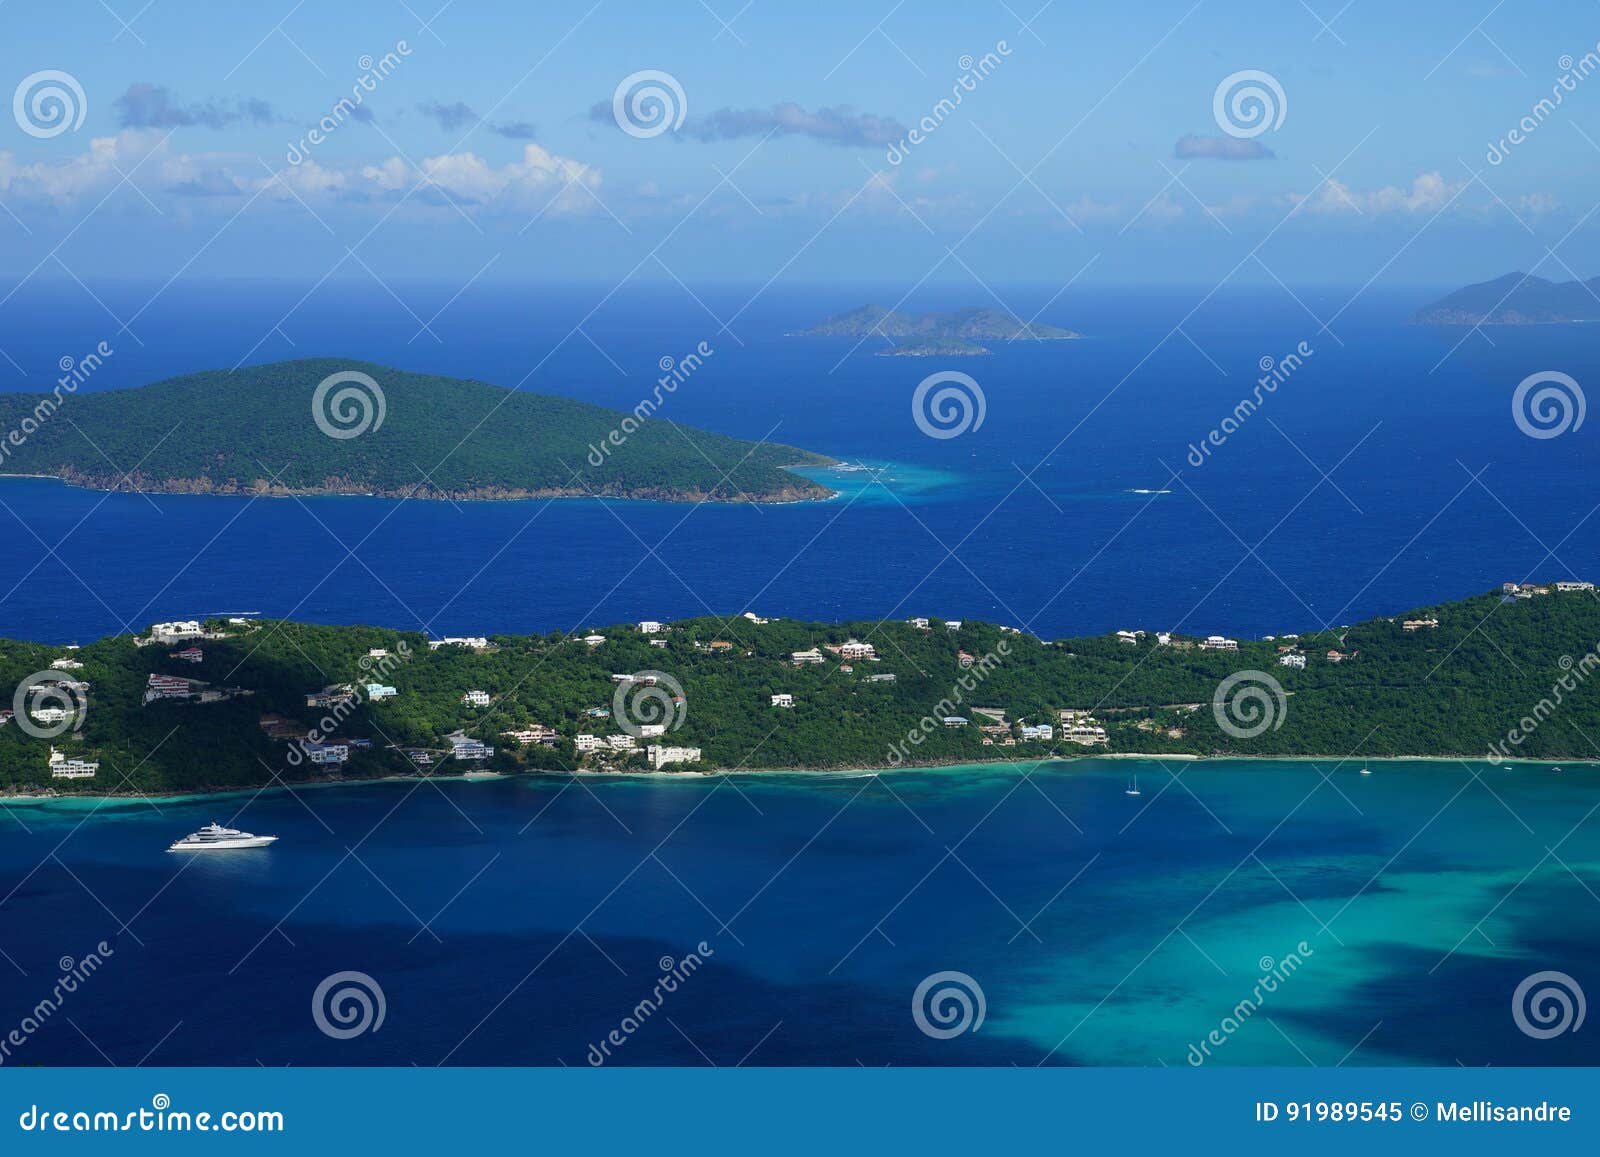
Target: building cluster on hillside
1528 590
1082 728
173 687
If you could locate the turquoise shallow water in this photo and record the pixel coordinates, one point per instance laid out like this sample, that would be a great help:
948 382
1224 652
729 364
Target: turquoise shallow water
520 920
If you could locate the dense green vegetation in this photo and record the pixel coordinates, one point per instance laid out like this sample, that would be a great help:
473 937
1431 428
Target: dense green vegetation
253 431
1450 690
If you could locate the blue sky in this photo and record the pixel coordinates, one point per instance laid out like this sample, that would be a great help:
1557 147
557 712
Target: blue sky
1090 149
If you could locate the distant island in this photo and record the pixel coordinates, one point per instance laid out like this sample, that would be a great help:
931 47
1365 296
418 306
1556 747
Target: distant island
233 703
957 333
256 431
1516 299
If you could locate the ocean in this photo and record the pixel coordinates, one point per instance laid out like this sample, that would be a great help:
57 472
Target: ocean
1302 912
1384 473
1233 913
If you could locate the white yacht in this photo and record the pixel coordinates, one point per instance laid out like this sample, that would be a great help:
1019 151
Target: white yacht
216 838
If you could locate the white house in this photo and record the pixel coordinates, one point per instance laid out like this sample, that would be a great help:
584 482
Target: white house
588 742
476 642
63 768
851 649
1128 637
784 700
476 699
758 621
660 755
594 640
1084 733
65 665
1291 660
920 623
376 691
800 658
651 730
1574 586
621 743
1036 732
952 624
173 632
649 627
1218 643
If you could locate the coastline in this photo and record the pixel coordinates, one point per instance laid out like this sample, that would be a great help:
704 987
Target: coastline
203 488
713 773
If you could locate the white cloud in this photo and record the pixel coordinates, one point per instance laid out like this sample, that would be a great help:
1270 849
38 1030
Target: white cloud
538 179
469 179
1429 192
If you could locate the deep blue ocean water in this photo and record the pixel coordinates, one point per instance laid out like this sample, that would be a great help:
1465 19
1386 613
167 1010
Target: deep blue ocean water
1101 928
519 921
1033 519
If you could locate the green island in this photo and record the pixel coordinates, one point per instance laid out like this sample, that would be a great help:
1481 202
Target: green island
954 333
264 430
226 704
1515 299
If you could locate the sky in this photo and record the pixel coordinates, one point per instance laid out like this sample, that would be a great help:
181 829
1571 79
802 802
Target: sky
468 140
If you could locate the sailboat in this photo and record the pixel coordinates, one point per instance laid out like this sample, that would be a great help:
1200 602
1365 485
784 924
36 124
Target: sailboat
1133 786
